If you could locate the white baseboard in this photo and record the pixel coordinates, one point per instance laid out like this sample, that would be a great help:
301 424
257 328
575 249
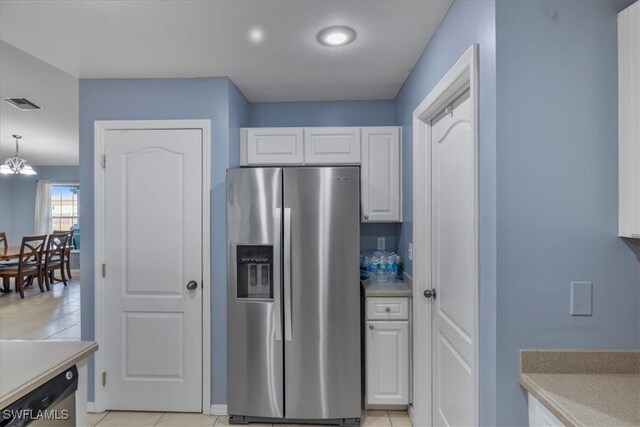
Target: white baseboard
218 409
215 409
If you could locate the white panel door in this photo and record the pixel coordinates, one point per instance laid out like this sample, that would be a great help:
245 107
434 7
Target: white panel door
275 146
629 121
332 146
380 175
454 271
153 249
388 363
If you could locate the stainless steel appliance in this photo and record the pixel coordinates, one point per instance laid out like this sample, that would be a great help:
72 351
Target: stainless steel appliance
293 298
53 404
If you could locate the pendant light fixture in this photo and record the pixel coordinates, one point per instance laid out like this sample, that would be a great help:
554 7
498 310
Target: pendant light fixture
16 164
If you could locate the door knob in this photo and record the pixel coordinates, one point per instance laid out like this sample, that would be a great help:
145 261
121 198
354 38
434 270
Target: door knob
430 293
192 285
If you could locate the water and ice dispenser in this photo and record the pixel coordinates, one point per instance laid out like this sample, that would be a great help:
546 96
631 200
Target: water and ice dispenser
255 272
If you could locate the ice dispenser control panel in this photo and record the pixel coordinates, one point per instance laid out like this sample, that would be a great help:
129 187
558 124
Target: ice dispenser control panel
255 272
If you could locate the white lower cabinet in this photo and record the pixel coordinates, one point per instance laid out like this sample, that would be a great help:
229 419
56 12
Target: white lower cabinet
539 416
387 353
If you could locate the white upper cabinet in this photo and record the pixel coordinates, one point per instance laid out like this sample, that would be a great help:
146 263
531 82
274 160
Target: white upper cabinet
332 146
380 175
629 121
375 149
272 146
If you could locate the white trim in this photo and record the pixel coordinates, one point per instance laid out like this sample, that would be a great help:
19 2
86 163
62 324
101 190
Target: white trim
219 409
91 407
100 127
462 76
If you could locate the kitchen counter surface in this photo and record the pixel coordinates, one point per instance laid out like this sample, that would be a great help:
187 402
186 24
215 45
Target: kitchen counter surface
26 365
374 289
584 387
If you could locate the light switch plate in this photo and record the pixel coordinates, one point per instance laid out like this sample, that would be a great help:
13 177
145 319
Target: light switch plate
381 244
410 251
581 298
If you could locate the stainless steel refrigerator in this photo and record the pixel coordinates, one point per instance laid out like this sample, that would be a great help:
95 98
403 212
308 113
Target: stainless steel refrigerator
293 310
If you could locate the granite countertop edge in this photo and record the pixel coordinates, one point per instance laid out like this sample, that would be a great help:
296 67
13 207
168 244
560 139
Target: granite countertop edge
572 363
48 374
389 290
548 402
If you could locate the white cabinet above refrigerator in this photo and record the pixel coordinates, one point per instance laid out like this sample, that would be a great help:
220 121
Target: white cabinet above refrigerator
376 149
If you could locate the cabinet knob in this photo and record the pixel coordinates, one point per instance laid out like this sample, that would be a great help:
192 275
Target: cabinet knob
387 309
366 217
371 327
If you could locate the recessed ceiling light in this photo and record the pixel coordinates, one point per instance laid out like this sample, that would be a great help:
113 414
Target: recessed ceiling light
338 35
256 35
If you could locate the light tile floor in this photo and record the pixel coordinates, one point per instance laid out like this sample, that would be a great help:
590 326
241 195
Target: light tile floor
172 419
52 315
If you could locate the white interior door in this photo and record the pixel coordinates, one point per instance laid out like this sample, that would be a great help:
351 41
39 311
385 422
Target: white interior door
153 249
454 268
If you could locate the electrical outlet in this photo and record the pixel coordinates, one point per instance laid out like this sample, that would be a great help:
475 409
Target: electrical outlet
410 251
381 243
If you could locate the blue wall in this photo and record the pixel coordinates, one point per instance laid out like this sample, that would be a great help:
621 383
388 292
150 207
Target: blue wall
157 99
18 198
5 204
323 113
557 192
333 113
466 23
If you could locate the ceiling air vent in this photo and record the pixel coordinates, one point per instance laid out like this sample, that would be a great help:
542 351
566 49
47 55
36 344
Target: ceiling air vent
22 104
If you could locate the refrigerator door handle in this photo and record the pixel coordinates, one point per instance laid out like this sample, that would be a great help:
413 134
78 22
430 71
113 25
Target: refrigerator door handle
287 275
277 272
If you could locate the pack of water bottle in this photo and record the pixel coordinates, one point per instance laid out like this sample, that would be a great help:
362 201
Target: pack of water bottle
381 266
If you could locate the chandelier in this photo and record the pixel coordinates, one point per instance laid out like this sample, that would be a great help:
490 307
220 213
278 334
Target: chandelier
16 164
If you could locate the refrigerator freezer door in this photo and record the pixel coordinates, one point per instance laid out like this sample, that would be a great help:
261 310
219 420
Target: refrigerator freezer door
322 357
254 293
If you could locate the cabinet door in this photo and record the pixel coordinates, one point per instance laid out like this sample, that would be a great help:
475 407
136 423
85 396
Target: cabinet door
380 175
628 122
387 357
332 146
539 416
274 146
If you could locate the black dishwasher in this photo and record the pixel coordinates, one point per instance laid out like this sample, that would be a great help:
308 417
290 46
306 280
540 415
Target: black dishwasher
51 404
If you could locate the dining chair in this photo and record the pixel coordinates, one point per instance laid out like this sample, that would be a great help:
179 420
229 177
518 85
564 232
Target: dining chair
3 239
67 254
54 256
29 264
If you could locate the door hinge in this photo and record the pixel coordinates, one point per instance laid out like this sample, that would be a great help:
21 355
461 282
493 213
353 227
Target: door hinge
104 379
104 161
104 270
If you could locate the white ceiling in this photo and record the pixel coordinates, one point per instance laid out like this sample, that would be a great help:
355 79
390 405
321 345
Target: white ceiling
49 136
116 39
60 41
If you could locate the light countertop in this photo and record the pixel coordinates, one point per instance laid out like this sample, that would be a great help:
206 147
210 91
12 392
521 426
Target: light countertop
584 387
26 365
398 289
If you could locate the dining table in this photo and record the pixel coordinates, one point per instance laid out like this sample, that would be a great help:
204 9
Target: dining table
9 252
